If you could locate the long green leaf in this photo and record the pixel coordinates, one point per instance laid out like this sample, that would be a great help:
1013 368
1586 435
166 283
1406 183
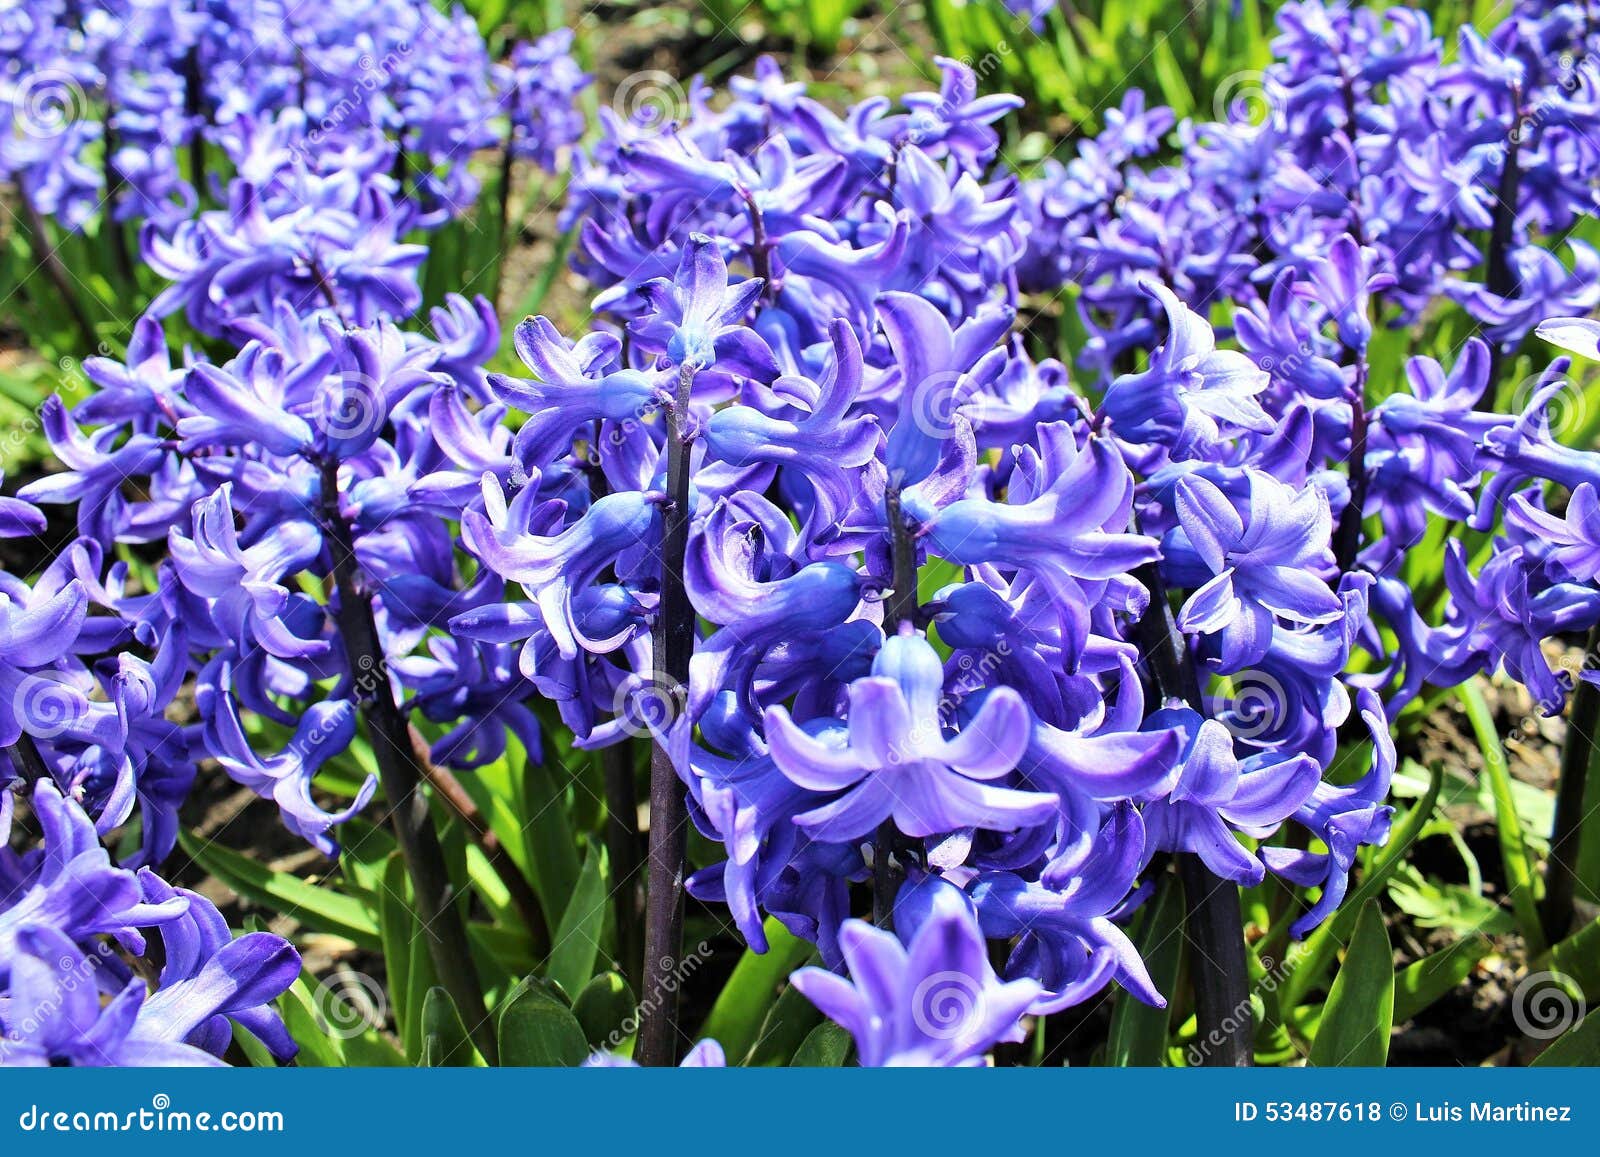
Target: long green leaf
1421 983
743 1002
1360 1010
577 941
1521 883
317 907
1577 1047
1578 956
445 1043
826 1047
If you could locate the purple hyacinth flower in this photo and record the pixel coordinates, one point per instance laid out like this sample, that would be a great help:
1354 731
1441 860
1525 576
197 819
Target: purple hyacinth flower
1264 555
1193 393
696 318
325 730
53 1016
523 543
1216 793
1570 543
933 1001
892 758
1066 936
936 361
573 383
1064 522
71 885
243 585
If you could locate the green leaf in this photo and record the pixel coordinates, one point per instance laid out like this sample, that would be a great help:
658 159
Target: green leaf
605 1009
1578 956
299 1011
537 1030
826 1047
445 1043
316 906
751 990
1425 981
785 1027
328 1037
552 846
577 940
1577 1047
1520 879
1360 1010
1138 1035
410 974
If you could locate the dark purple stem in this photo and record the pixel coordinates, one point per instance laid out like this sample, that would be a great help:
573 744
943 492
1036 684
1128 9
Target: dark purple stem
1214 926
1577 753
392 749
50 261
25 757
1498 276
1347 538
672 647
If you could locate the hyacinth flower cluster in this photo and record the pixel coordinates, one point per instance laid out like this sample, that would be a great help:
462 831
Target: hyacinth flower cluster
266 149
946 646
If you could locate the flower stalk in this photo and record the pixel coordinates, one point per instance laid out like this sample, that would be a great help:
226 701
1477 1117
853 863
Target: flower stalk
672 640
402 778
1577 756
1214 926
902 609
